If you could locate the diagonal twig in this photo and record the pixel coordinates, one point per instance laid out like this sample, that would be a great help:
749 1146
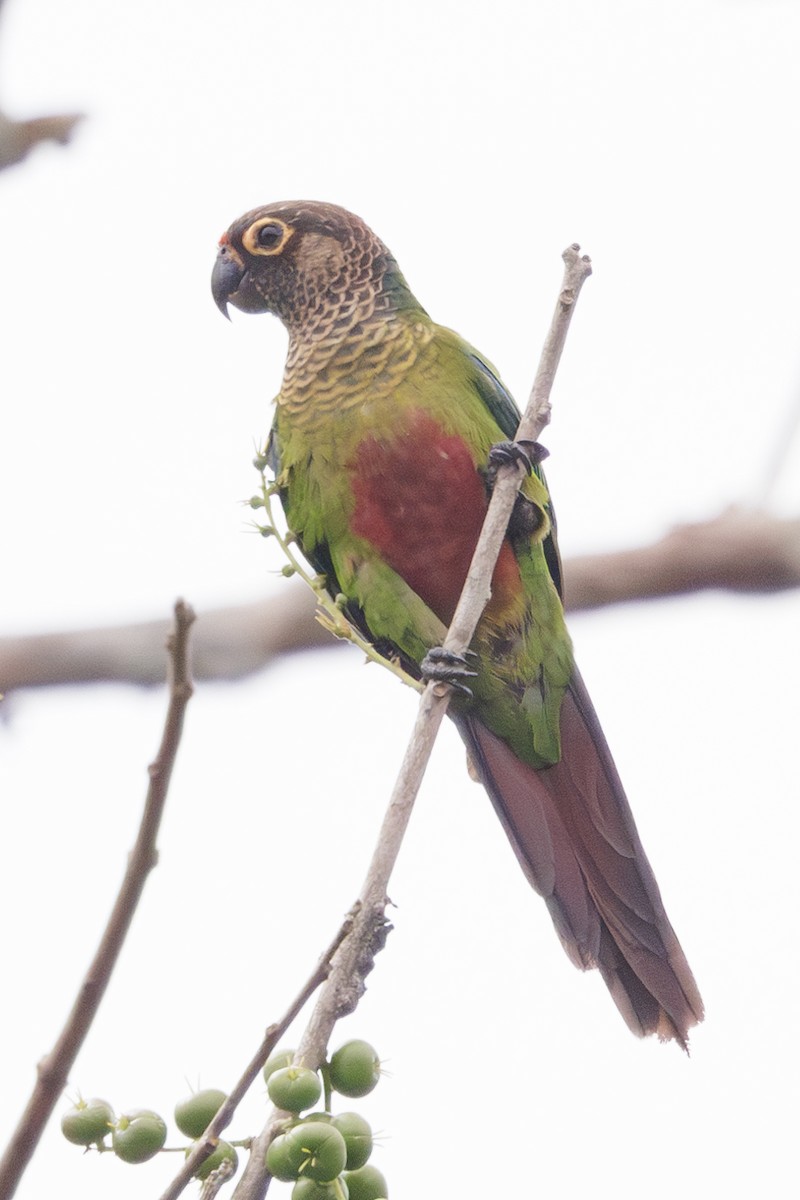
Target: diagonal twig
222 1118
53 1070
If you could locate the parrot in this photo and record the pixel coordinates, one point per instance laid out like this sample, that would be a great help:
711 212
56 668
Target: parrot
387 436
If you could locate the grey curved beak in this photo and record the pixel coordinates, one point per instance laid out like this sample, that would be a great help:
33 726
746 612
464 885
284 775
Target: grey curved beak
225 279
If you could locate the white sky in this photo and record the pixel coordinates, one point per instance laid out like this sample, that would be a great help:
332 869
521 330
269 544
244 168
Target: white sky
478 140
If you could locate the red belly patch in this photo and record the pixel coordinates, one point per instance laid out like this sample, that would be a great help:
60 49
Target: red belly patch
420 502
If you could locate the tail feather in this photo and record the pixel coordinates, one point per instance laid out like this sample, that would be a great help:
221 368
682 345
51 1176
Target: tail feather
573 832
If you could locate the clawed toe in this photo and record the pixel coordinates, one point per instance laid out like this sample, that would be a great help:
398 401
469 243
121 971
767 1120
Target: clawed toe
525 452
442 666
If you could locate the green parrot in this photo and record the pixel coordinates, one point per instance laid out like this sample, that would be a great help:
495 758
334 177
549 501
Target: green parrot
387 434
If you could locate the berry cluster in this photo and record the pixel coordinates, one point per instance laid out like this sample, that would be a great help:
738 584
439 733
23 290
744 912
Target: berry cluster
140 1133
324 1154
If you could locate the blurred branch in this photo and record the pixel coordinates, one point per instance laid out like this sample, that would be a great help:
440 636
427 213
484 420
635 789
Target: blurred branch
228 643
18 138
739 551
54 1068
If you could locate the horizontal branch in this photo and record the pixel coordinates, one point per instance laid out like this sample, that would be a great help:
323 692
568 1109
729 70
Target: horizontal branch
739 551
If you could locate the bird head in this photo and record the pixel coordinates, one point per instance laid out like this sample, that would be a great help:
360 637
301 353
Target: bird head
316 266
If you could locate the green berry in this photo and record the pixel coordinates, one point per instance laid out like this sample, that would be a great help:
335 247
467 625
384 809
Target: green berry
192 1115
355 1068
223 1151
294 1088
280 1160
309 1189
278 1060
357 1138
366 1183
317 1150
88 1122
138 1135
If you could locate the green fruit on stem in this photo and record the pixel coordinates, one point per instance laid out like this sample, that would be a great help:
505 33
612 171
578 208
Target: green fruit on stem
88 1122
366 1183
138 1135
309 1189
192 1115
294 1088
357 1138
276 1062
355 1068
223 1151
280 1161
317 1151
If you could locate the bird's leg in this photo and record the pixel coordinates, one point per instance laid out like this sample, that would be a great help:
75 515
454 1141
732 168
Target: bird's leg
442 666
526 517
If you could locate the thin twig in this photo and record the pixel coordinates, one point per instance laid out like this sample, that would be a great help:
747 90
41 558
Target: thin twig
477 588
345 983
329 615
217 1180
53 1070
224 1114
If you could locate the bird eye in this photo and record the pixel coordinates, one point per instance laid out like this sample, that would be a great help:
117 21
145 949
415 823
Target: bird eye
267 236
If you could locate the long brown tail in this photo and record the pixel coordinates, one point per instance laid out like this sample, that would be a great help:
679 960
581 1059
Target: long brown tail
574 835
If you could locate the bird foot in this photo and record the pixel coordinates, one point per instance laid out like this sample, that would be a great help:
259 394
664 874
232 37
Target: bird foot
504 453
442 666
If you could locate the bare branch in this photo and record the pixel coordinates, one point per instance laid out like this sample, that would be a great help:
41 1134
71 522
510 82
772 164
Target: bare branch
217 1180
477 588
739 551
227 644
53 1070
341 992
